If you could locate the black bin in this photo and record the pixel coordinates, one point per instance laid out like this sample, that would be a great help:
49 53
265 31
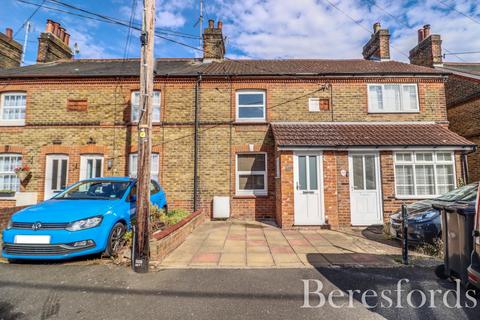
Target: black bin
458 222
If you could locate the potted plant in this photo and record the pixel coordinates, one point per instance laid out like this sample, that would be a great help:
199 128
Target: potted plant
22 172
7 193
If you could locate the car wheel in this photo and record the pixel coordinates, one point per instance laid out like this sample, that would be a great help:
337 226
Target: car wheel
115 239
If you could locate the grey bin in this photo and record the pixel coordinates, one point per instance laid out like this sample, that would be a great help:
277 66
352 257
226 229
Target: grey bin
457 234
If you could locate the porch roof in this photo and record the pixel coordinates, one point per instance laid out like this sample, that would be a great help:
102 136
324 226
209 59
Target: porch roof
348 135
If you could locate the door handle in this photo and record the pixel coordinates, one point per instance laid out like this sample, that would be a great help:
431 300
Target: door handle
308 192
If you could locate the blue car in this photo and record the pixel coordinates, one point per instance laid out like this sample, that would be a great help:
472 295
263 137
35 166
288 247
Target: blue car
89 217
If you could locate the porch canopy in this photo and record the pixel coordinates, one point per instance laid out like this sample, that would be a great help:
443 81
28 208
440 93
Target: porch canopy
367 135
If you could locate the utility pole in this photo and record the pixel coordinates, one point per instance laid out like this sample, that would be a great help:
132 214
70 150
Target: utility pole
140 257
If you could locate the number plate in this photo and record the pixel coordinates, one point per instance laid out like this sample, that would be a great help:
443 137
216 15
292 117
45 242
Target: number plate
32 239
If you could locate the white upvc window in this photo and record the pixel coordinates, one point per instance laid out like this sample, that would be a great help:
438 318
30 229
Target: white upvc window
135 112
251 106
251 174
392 98
8 178
12 105
424 174
154 166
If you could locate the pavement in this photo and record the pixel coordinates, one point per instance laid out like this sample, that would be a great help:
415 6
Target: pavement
253 244
59 291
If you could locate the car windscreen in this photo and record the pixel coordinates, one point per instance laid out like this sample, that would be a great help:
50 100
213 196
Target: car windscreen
95 190
465 193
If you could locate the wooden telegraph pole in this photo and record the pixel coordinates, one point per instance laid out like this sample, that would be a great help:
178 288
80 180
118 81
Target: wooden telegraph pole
140 257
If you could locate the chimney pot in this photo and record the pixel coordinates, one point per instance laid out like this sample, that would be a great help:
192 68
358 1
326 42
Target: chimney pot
56 26
376 27
9 33
426 31
49 26
219 24
421 35
211 24
66 40
61 34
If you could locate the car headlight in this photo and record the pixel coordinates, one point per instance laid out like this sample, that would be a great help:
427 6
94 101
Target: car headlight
9 224
427 216
84 224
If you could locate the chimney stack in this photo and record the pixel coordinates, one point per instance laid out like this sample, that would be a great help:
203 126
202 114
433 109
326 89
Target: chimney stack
378 47
10 50
428 52
213 44
53 44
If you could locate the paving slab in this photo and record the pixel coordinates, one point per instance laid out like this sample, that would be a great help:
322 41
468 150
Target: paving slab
247 244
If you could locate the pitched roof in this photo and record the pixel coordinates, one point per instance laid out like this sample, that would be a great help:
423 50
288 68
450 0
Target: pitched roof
192 67
465 68
366 135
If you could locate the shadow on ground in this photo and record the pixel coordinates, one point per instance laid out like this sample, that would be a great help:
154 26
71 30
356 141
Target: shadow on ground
421 295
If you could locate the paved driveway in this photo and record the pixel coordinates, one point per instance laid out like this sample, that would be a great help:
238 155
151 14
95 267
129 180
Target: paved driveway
240 244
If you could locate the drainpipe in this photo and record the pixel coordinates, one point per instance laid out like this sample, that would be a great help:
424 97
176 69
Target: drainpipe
195 150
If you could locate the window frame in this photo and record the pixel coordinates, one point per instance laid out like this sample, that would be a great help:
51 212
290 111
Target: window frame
253 192
413 162
153 106
237 106
12 122
12 172
131 162
372 110
84 164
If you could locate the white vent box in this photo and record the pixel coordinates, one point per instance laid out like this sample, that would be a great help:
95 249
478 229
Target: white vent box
221 207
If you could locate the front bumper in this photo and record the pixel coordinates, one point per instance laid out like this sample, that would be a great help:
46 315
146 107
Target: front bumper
418 232
60 246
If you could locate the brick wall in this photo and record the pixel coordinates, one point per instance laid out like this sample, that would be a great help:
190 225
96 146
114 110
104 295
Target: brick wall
458 89
51 127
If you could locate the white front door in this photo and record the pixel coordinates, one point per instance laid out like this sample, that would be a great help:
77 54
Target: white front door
56 174
365 193
91 166
308 202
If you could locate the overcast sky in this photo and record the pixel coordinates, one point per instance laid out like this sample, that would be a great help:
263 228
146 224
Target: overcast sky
265 29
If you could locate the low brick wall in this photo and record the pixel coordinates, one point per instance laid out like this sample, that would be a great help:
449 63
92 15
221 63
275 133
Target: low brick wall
167 240
5 214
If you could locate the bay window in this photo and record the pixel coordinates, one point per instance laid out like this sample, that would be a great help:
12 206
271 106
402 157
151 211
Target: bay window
424 174
136 106
251 174
8 178
392 98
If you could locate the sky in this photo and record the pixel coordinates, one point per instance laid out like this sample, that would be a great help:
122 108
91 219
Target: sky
255 29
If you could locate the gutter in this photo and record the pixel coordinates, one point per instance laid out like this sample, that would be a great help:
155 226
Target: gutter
392 146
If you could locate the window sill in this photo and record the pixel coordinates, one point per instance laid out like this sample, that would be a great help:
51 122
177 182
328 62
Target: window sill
240 122
250 196
393 112
12 123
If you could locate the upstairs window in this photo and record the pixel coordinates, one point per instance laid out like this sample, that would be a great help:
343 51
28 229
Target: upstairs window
251 106
8 178
136 106
13 108
392 98
154 166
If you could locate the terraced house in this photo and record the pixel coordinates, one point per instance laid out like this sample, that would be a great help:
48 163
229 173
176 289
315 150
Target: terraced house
325 143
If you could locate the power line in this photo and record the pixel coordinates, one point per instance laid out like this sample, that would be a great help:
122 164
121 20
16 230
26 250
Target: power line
403 23
30 17
129 33
109 20
466 52
358 23
458 11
